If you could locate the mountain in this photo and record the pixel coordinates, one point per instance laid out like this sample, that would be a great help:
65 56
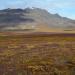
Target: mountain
34 19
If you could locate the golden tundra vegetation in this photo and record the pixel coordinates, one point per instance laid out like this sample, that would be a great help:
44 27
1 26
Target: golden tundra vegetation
50 54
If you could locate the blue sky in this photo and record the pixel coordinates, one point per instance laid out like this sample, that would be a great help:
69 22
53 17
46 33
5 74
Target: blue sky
65 8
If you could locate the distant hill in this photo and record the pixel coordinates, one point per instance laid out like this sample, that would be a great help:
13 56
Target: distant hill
35 19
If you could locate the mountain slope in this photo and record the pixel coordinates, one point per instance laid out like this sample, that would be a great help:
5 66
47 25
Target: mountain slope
35 19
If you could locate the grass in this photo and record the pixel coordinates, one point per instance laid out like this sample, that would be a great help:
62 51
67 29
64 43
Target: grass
37 55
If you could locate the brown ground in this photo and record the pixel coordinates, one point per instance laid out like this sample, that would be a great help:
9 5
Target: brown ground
37 54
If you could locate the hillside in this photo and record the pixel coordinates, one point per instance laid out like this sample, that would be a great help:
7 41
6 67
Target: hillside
35 19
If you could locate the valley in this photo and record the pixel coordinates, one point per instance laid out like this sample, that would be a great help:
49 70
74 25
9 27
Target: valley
37 53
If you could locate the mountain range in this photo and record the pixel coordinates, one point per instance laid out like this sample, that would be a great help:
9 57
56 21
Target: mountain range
33 19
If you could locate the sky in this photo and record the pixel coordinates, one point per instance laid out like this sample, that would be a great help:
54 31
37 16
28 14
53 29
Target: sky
65 8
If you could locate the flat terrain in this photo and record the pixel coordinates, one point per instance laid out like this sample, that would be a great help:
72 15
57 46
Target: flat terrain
37 54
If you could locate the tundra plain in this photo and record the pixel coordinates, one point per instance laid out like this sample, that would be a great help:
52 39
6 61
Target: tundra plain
37 54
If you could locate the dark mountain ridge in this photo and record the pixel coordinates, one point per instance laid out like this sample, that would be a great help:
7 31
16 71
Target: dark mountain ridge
36 18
